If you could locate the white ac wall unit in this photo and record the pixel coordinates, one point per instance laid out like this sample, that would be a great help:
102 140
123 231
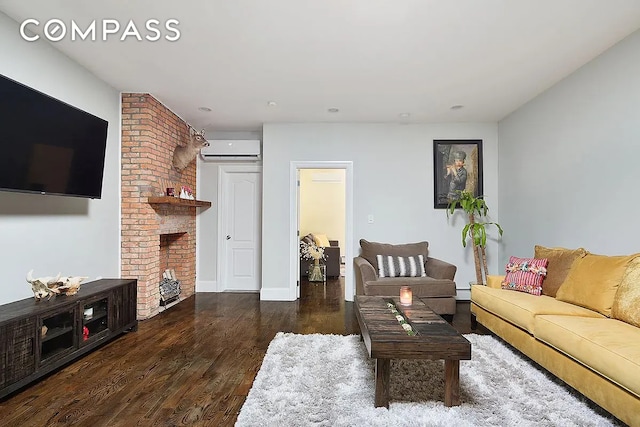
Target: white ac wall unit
231 149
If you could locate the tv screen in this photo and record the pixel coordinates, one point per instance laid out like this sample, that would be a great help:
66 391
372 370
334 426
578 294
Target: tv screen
48 146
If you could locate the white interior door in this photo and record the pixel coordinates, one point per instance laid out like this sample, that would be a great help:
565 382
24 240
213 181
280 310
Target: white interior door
241 232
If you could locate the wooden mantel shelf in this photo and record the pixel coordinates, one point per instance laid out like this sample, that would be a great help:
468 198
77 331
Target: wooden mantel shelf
168 200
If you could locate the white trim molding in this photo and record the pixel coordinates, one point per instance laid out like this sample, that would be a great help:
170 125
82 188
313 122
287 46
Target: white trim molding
206 286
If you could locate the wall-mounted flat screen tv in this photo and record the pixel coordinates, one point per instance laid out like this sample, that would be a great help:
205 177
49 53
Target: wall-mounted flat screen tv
48 146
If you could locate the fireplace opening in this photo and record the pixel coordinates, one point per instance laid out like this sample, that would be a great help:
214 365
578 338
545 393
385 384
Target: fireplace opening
169 288
172 252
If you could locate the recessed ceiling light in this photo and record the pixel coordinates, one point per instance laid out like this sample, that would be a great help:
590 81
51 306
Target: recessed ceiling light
272 103
205 109
404 115
333 110
457 107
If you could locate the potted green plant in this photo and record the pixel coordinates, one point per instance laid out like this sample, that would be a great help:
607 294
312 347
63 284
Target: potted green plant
475 229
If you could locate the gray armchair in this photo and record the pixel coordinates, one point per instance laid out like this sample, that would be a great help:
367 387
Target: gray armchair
437 288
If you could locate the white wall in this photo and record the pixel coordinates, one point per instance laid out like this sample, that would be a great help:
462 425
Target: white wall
52 234
207 228
569 161
393 180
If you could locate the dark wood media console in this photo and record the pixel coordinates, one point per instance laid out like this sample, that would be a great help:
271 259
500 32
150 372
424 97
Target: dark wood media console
39 337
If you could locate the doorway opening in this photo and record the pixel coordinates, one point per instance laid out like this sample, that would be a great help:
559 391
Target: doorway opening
339 227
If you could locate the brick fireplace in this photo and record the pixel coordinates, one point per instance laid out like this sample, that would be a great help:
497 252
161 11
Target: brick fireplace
155 236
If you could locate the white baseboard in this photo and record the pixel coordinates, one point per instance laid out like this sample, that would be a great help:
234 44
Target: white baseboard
275 294
207 286
463 294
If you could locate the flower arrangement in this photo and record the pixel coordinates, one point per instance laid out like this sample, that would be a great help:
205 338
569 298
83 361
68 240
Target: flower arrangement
311 251
403 322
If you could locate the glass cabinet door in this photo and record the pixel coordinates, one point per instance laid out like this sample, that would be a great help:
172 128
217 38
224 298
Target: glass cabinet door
56 335
95 320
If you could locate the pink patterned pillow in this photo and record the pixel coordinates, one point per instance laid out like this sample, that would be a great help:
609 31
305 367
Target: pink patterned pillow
525 274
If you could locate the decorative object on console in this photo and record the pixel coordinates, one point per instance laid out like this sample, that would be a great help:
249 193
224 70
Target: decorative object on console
50 286
40 286
476 230
70 285
525 275
184 154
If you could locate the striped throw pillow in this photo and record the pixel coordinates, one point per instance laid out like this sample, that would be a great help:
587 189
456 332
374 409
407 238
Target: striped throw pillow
525 274
399 266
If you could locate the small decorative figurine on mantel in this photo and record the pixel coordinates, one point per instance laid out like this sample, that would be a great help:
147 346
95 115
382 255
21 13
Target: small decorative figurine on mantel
186 193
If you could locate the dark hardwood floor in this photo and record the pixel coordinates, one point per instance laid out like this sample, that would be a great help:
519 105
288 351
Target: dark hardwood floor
192 364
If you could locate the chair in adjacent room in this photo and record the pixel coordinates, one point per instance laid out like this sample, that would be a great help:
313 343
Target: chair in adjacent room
331 252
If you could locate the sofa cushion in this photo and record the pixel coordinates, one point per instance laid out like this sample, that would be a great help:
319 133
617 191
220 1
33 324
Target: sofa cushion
626 303
593 281
371 249
420 286
321 240
608 346
398 266
560 262
495 281
521 308
525 275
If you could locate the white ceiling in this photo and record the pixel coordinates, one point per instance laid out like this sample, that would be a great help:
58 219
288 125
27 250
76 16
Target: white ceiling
371 59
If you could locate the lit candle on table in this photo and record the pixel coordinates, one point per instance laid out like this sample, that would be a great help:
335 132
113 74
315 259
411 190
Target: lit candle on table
406 296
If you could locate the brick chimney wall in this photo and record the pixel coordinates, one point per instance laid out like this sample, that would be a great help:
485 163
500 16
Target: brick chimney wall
150 133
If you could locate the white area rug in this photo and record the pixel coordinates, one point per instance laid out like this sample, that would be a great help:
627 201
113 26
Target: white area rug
328 380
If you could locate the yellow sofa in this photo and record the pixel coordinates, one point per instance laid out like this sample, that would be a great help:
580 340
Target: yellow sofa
587 348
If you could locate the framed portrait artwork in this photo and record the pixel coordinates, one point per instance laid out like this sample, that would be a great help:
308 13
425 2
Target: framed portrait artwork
457 166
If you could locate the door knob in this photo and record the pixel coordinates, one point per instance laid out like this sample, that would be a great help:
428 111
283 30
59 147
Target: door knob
228 237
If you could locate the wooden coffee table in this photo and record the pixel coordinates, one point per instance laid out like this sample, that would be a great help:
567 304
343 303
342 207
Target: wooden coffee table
386 339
